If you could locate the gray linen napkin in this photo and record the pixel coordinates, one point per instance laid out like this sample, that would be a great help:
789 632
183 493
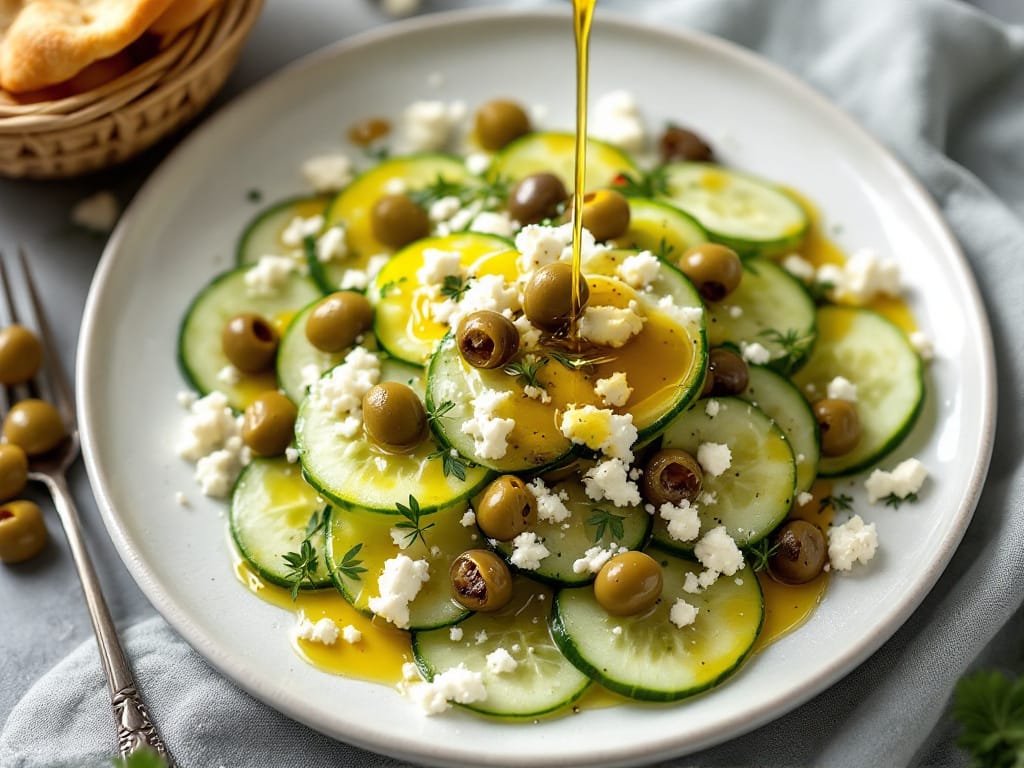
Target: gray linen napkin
943 86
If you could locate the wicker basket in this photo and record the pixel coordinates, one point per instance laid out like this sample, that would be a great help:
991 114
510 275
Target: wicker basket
116 121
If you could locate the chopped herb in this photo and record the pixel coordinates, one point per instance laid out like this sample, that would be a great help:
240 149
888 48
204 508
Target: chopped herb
761 552
411 523
602 519
377 152
990 709
491 193
440 411
389 285
820 291
583 361
454 287
451 465
665 249
303 565
350 567
254 195
840 503
654 183
894 501
795 345
526 370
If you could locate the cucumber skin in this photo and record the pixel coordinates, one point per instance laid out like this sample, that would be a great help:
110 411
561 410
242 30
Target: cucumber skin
243 240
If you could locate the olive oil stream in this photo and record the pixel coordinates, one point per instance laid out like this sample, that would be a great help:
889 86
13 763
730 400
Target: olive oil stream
583 16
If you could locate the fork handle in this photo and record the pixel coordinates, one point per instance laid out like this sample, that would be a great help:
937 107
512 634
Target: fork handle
135 728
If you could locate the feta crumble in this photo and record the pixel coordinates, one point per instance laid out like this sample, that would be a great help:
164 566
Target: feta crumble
341 391
714 458
428 125
96 213
862 278
755 353
682 614
683 520
468 519
614 391
331 245
611 326
327 173
351 635
437 265
324 631
457 684
639 270
229 375
501 662
718 552
489 431
617 120
269 275
399 584
798 267
841 388
610 480
299 229
923 345
455 634
211 438
906 479
528 551
600 430
712 407
851 542
804 498
550 507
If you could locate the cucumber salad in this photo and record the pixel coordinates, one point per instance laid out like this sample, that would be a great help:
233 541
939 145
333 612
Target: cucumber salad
548 482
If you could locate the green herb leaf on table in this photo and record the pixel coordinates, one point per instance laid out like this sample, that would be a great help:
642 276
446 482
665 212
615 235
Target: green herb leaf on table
602 520
990 709
894 501
411 523
840 503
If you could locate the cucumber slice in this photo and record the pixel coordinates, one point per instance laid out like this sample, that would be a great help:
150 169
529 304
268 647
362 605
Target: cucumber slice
782 402
771 308
877 357
199 346
661 228
447 539
353 472
403 322
591 524
748 214
262 235
271 507
556 153
651 658
295 354
543 680
353 204
755 493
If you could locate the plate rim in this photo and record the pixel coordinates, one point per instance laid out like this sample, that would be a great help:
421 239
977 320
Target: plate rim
176 614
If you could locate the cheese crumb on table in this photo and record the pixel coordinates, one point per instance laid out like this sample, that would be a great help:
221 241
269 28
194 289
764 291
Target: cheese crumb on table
851 542
399 584
905 480
96 213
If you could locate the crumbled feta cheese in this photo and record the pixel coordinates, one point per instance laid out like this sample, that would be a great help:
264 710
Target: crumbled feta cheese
683 520
501 662
400 537
327 173
906 479
617 120
735 311
477 163
611 326
841 388
691 583
468 519
755 353
291 454
299 229
332 245
851 542
207 427
444 208
640 269
457 684
863 277
718 552
186 398
550 508
181 499
688 317
539 246
437 265
595 558
527 551
229 375
489 431
600 430
610 480
323 631
613 391
399 584
96 213
428 125
395 186
268 276
493 223
487 292
682 614
529 334
341 391
354 280
920 342
714 458
351 635
708 498
617 630
798 267
455 634
537 393
712 407
804 498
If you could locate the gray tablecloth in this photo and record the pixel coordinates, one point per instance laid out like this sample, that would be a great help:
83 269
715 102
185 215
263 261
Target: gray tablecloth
939 81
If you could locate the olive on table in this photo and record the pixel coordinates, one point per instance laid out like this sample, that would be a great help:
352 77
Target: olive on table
394 418
547 299
727 373
338 320
487 339
670 476
13 470
249 342
535 198
397 220
838 424
679 143
506 508
35 426
606 214
268 425
22 531
20 354
715 270
628 584
480 580
799 552
500 122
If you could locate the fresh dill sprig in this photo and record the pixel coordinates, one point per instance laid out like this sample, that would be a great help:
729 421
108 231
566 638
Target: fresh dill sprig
653 183
894 501
491 192
411 523
795 345
761 553
840 503
526 370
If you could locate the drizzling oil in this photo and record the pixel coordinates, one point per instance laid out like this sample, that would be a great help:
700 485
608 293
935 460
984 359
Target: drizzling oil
583 15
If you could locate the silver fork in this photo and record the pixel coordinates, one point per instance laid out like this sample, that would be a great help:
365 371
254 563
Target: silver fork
135 729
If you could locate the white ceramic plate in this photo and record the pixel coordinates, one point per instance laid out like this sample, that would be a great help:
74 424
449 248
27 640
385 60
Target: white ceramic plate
181 229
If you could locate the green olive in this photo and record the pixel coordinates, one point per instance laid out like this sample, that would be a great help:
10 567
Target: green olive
727 373
13 470
20 354
500 122
338 320
249 342
714 270
35 426
22 531
681 144
606 214
838 424
394 418
506 508
535 198
268 425
799 552
397 220
480 580
547 299
628 584
487 339
670 476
